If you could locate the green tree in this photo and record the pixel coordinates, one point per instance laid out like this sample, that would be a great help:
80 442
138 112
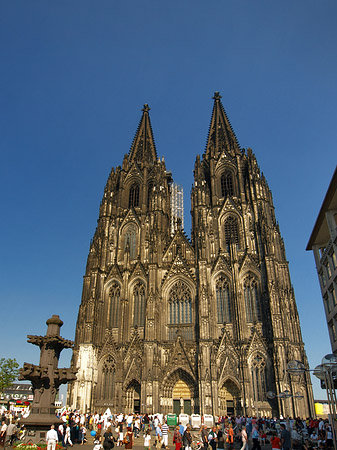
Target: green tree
9 370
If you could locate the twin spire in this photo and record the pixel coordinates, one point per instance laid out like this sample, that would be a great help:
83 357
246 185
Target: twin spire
220 136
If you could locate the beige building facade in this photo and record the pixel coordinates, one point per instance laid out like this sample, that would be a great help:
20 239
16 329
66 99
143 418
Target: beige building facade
202 325
323 242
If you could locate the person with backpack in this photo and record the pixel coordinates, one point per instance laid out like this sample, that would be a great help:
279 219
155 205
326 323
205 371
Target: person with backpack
129 439
108 442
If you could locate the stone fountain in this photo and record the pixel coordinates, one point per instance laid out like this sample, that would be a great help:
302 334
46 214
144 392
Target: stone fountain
46 378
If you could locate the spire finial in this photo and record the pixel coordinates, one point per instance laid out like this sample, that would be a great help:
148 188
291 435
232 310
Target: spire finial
146 108
217 95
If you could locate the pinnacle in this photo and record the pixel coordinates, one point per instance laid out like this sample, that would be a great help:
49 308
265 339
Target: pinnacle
143 149
221 136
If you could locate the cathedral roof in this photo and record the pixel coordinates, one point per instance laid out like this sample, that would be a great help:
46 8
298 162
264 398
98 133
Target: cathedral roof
143 149
221 136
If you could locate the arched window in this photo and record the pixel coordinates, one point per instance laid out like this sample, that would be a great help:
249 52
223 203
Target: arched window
114 301
231 231
139 304
258 372
180 303
134 195
130 241
149 194
223 302
252 301
107 378
227 189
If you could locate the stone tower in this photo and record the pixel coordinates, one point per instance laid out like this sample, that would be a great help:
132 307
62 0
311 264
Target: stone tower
172 325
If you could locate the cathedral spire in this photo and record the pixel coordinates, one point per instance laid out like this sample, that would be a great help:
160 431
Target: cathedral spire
221 135
143 149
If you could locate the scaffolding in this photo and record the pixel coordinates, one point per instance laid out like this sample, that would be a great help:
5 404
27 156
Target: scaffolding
177 207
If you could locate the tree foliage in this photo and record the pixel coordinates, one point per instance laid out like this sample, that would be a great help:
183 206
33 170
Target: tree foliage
9 370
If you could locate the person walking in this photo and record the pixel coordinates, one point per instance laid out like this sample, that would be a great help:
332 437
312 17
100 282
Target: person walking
165 430
51 438
256 437
285 437
177 438
67 438
147 440
108 442
187 438
129 439
244 438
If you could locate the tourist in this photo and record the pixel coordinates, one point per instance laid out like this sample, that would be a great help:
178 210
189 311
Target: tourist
120 434
128 439
187 438
11 432
244 438
165 430
67 437
108 442
285 438
256 438
177 438
51 438
212 438
3 433
220 438
204 436
83 432
230 436
275 441
147 440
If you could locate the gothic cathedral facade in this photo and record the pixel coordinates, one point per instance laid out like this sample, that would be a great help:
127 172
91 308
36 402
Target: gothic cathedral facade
203 325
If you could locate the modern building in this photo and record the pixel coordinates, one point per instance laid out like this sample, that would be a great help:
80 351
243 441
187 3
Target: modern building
323 242
202 325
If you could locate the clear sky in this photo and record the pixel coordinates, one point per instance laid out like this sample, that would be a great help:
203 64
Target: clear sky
74 76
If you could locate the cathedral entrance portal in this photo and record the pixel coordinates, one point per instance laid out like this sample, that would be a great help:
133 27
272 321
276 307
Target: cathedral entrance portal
229 399
133 397
179 393
181 398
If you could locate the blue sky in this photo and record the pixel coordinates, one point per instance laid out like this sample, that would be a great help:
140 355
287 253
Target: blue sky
74 76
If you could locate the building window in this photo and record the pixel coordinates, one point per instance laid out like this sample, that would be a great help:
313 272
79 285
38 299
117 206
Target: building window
139 305
252 301
328 270
327 302
106 385
332 331
231 231
114 302
130 241
323 279
134 196
150 194
227 184
223 301
180 303
258 372
333 295
334 260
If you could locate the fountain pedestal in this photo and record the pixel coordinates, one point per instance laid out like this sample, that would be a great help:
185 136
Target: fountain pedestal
46 378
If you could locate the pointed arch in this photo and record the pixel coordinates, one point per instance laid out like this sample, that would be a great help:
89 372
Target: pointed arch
231 228
134 195
227 185
251 294
223 300
180 303
258 375
107 370
130 240
114 305
138 293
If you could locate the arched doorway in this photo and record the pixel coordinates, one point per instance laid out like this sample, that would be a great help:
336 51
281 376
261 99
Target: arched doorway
229 399
133 400
181 396
179 393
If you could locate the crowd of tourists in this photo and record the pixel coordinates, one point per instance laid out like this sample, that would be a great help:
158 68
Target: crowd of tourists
105 431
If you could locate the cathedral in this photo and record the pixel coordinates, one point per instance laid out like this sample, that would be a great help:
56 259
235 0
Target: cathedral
205 325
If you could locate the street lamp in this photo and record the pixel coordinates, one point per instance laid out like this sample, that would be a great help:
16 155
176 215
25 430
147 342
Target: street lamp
326 372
